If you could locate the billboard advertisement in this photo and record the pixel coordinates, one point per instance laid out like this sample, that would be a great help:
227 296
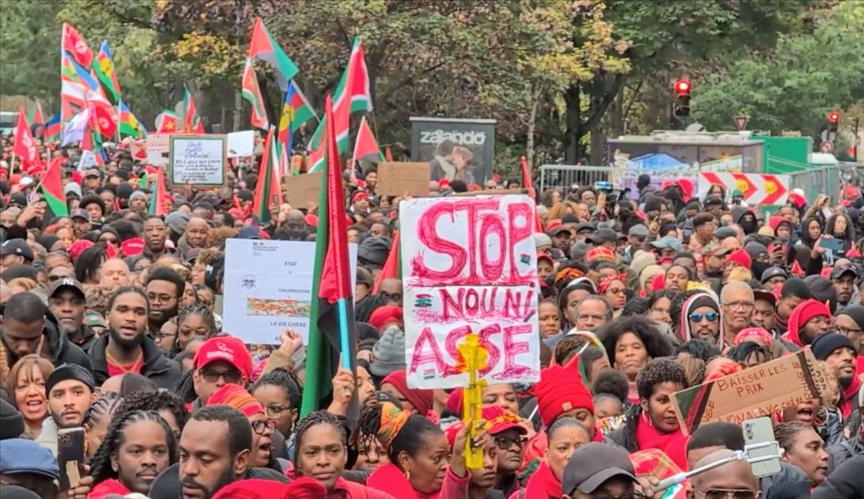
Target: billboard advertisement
454 148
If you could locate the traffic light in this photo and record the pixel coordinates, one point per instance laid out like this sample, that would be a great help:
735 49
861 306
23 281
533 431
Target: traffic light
833 121
682 90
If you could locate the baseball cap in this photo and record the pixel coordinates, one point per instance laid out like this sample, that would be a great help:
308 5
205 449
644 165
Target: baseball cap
132 247
602 236
556 228
592 464
16 247
67 282
712 200
668 242
638 230
92 173
499 420
840 270
772 272
227 348
585 226
713 249
18 455
79 213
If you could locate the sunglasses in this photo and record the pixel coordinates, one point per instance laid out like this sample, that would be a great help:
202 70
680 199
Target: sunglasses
230 376
506 443
728 494
710 317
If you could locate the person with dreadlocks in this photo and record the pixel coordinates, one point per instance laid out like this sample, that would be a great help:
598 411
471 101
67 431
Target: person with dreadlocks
418 450
193 321
279 392
97 419
139 445
166 404
322 453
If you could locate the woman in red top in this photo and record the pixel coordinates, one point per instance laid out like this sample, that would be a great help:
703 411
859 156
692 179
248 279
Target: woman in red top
565 436
320 453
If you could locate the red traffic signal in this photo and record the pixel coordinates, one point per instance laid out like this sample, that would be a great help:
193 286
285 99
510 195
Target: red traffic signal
833 116
683 86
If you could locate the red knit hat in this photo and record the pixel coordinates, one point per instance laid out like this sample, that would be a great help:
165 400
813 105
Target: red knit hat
300 488
801 315
383 316
560 390
741 258
420 399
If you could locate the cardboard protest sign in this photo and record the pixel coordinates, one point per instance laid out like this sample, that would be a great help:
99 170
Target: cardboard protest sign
755 392
241 144
395 179
158 146
302 189
198 160
469 266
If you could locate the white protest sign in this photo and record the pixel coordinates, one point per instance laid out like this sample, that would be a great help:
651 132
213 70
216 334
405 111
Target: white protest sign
241 144
198 160
158 145
268 288
470 266
87 160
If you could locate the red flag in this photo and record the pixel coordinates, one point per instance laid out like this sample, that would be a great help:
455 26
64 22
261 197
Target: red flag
25 146
527 183
391 265
388 154
105 117
336 275
75 44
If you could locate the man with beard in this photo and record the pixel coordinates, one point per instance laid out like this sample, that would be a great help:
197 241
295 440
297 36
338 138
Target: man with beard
67 300
70 390
838 352
164 290
843 277
126 348
29 327
155 234
214 452
700 318
713 260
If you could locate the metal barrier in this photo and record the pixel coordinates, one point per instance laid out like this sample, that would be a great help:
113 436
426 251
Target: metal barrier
568 175
826 180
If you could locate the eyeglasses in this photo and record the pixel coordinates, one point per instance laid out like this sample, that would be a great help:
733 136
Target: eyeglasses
161 336
506 443
728 493
846 331
626 495
230 376
709 316
275 411
743 305
263 427
617 291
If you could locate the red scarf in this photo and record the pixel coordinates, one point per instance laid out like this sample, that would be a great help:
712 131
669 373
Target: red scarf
543 483
649 437
849 396
390 479
106 488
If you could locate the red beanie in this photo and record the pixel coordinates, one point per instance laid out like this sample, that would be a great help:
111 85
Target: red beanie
455 400
560 390
383 316
741 258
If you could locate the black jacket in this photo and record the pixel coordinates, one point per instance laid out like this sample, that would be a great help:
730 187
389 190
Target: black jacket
167 484
844 483
60 349
845 450
88 339
157 367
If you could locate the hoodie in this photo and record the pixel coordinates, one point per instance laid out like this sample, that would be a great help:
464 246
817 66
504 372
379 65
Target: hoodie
738 213
802 314
844 483
60 349
691 304
158 368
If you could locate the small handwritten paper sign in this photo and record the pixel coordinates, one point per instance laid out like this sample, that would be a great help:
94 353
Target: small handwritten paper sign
198 160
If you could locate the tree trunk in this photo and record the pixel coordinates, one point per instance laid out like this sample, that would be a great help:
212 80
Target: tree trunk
238 110
532 125
573 120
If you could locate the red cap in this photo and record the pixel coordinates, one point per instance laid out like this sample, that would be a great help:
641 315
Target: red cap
299 488
311 220
132 247
443 182
740 257
78 247
383 316
498 420
229 349
747 334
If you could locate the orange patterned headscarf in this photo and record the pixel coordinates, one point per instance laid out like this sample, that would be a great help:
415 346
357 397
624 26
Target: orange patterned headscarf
393 420
236 397
568 273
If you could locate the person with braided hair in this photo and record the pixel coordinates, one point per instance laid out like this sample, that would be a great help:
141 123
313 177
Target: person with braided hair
138 446
321 453
97 419
193 321
418 450
279 392
166 404
803 447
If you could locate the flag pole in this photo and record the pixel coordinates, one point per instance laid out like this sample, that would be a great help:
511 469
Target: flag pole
12 165
119 120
